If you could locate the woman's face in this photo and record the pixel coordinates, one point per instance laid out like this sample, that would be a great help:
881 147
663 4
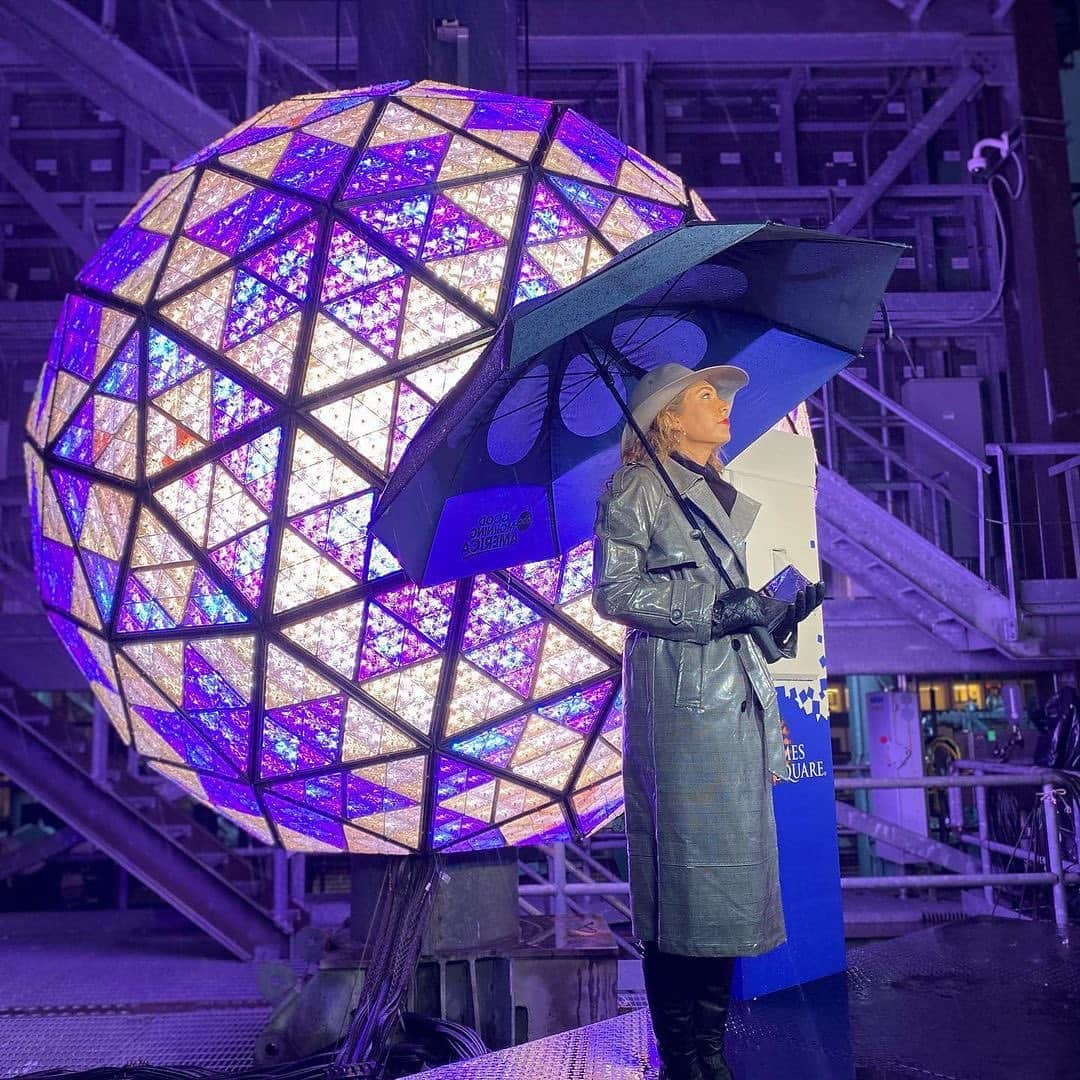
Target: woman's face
704 416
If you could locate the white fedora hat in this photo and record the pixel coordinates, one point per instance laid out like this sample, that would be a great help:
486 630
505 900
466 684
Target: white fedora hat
658 386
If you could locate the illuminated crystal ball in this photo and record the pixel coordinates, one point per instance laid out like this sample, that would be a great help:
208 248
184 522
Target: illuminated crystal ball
240 367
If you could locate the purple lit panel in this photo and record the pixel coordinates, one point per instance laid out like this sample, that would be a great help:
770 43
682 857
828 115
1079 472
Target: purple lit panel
656 215
287 264
243 560
397 166
452 231
183 738
255 307
306 822
363 797
340 531
388 644
323 793
580 710
209 605
493 611
103 575
509 114
302 736
374 314
399 221
427 610
122 254
229 730
121 377
595 147
592 201
84 658
512 659
550 219
494 746
311 165
253 218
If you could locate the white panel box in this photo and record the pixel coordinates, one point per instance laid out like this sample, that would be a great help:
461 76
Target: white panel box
896 750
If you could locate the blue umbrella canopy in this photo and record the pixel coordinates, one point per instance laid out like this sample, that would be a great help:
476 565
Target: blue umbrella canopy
508 469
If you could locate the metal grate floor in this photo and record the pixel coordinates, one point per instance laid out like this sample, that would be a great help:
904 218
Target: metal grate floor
986 999
979 1000
86 988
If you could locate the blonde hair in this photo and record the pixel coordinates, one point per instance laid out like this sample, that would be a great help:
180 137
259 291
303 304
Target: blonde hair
663 436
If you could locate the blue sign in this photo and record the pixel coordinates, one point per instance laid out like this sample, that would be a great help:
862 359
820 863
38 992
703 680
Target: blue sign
809 859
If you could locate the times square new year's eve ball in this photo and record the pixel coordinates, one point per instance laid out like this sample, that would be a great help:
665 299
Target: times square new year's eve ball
237 371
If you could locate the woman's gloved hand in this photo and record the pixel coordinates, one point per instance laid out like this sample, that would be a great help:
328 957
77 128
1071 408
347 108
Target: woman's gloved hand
806 600
740 609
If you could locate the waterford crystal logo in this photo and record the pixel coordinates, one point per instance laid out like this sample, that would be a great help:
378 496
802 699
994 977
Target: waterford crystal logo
493 531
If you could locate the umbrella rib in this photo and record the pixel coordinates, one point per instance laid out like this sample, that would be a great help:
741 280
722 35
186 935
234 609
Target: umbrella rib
671 285
680 317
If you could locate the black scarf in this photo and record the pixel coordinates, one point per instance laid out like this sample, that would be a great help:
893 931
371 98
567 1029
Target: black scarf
720 487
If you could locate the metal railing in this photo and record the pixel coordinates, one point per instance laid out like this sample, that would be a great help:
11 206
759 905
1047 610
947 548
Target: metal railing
1027 496
252 49
78 729
929 501
567 860
985 775
1040 498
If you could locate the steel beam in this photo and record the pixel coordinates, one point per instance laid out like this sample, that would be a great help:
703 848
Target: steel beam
888 832
590 50
117 79
46 206
35 850
262 43
151 855
966 83
919 579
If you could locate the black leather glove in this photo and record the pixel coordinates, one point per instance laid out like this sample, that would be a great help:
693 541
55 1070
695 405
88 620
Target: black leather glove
806 600
740 609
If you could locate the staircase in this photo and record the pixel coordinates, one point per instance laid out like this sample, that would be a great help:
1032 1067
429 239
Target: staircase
114 77
925 611
134 819
945 613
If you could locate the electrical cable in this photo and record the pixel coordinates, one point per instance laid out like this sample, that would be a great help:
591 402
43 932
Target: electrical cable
1003 251
405 901
402 910
1003 242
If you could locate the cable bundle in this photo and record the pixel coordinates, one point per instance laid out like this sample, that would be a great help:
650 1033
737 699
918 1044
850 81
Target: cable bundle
394 939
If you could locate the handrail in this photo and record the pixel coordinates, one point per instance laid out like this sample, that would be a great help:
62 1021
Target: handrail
989 774
268 44
999 451
1064 466
1033 449
892 455
209 899
889 404
916 422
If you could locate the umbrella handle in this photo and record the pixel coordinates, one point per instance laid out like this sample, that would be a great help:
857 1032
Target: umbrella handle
605 375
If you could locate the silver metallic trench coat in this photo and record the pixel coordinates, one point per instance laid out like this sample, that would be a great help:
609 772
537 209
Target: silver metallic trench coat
703 735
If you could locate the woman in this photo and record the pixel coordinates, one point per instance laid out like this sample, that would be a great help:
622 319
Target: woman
703 744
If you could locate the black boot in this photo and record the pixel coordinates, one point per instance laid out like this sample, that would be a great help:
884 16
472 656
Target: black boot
712 996
671 1005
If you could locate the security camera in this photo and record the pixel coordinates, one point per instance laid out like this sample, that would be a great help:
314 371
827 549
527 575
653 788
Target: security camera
977 163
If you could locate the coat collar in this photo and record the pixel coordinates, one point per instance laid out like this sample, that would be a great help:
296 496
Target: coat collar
695 487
